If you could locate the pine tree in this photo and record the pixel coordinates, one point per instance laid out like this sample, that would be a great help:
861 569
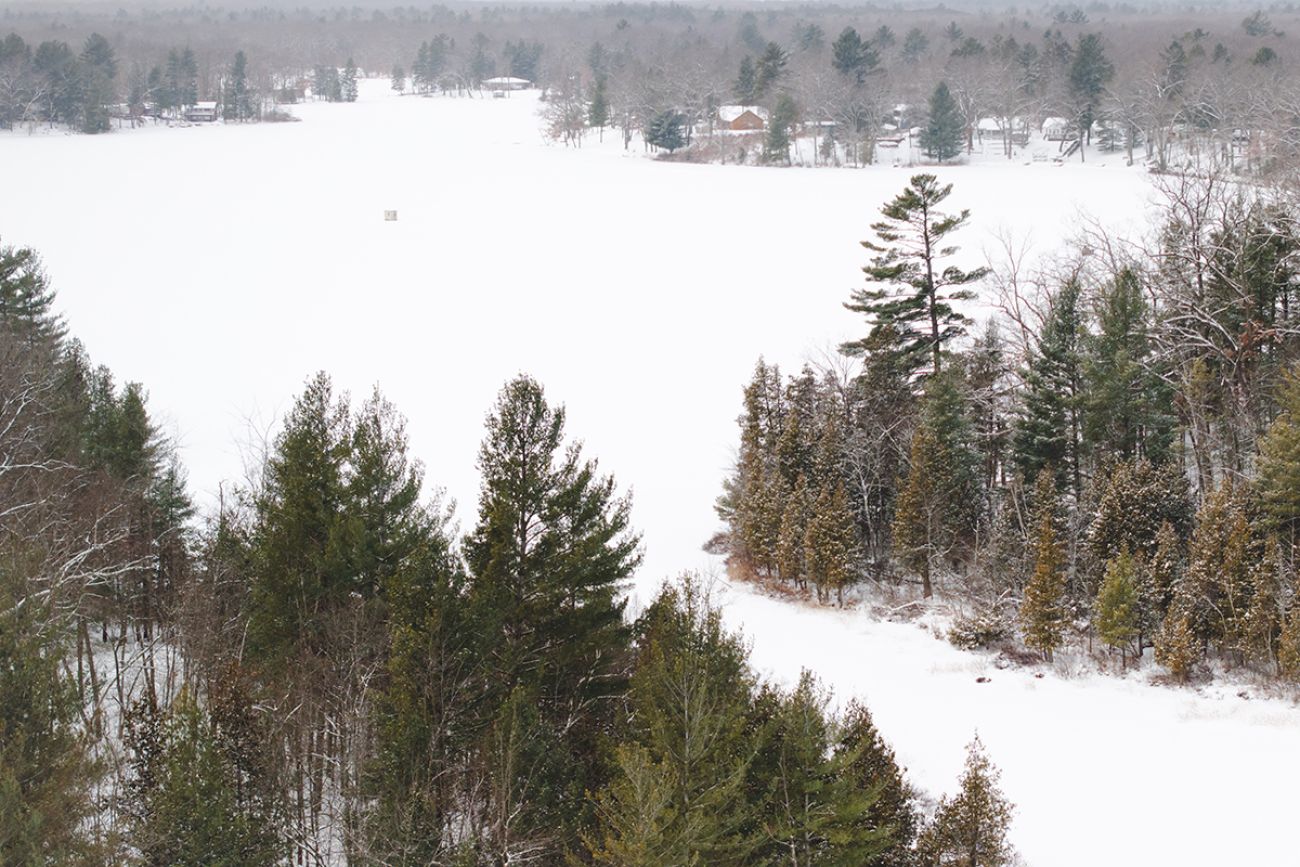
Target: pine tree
425 712
348 82
1042 613
666 130
26 299
1125 402
637 823
398 79
1049 425
98 71
769 70
745 88
1117 617
1089 74
970 829
852 56
776 146
598 105
1288 648
548 559
912 299
237 99
945 128
1177 648
690 695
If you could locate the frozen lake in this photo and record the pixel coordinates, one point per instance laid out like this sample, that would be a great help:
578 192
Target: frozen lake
221 266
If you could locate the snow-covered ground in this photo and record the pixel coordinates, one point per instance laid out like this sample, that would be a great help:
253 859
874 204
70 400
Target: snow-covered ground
222 265
1104 771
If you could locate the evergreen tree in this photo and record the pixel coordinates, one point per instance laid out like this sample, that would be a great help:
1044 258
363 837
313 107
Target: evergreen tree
795 519
548 560
852 56
45 766
776 146
186 800
26 299
348 82
745 88
425 713
1049 427
1125 402
1042 612
237 101
1137 499
770 70
598 105
666 130
1278 483
1288 650
938 505
913 301
945 127
1177 648
1089 73
864 765
398 79
830 544
1117 617
690 696
970 829
98 72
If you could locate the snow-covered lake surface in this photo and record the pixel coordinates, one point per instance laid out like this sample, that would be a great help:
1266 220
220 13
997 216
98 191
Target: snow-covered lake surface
223 265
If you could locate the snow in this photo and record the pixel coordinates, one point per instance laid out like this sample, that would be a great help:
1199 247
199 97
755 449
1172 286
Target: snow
221 265
1103 770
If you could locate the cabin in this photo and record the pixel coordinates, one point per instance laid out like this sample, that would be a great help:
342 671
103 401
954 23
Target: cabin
202 112
742 118
507 82
1057 129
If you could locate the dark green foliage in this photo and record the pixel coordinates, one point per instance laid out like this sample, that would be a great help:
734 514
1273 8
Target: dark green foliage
914 302
945 127
852 56
237 98
348 82
26 299
1126 405
191 805
666 130
745 88
45 766
1049 424
770 70
1089 73
598 104
548 560
915 45
776 147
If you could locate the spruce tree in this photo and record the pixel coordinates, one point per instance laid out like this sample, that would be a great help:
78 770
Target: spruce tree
912 295
970 828
945 127
666 130
598 105
869 783
398 79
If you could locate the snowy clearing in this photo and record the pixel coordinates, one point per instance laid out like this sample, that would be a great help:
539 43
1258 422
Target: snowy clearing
221 265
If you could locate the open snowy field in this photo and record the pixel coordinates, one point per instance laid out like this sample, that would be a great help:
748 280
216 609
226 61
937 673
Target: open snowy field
223 265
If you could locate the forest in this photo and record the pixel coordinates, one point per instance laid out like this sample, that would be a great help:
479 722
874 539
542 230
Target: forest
1174 86
325 671
1107 464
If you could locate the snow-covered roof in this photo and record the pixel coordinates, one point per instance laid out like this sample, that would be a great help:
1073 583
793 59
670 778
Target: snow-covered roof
728 113
505 80
1055 123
